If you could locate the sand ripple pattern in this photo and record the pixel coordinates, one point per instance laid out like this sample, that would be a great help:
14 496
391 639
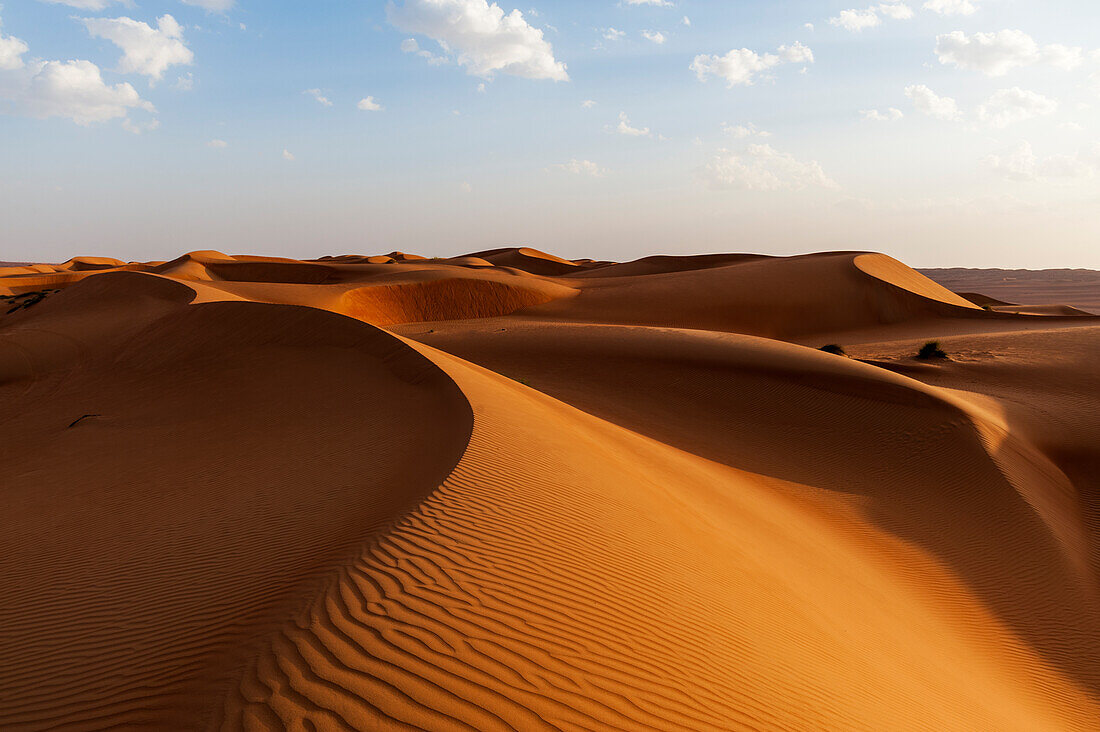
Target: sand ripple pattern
595 579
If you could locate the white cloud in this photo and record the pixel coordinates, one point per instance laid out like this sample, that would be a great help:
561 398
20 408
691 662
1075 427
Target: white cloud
11 53
655 36
588 104
740 65
481 88
1006 106
1022 164
856 20
624 128
218 144
951 7
658 3
71 89
995 54
897 11
1071 127
763 168
928 102
613 35
483 38
740 132
368 104
581 167
139 127
318 96
808 26
145 50
873 115
287 155
686 21
409 45
213 6
465 187
85 4
186 82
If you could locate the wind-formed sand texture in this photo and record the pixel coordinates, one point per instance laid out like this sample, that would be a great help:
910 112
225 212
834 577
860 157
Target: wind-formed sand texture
508 490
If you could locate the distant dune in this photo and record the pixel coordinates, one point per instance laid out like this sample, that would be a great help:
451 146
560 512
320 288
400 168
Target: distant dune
506 490
1077 288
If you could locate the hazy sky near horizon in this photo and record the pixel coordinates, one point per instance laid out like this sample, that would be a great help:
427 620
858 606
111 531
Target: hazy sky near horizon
942 132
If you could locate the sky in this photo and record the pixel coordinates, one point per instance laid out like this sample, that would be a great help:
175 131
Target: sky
941 132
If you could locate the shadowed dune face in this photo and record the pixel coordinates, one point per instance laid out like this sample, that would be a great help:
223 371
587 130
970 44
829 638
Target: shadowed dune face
552 494
230 456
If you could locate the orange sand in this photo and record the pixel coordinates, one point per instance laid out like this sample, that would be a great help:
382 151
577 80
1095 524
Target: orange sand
511 491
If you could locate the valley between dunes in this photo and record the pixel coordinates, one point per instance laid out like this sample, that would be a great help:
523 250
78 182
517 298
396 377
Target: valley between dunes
512 491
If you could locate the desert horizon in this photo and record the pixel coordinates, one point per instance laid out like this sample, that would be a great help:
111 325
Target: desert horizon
476 366
508 490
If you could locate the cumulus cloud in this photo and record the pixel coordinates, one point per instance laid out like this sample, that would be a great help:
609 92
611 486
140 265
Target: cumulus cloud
613 35
1002 108
146 50
763 168
368 104
1006 106
1022 164
873 115
624 128
482 37
409 45
995 54
218 144
928 102
287 155
856 20
655 36
71 89
588 104
897 11
740 65
213 6
11 53
951 7
581 167
318 96
740 132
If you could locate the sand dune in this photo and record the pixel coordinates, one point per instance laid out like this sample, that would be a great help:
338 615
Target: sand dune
1076 288
512 491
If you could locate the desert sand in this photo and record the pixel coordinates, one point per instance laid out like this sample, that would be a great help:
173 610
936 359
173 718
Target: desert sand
508 490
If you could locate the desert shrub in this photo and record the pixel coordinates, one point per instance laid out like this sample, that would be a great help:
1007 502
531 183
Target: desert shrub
834 349
930 350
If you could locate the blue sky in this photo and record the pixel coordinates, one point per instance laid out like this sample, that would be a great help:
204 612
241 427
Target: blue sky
943 132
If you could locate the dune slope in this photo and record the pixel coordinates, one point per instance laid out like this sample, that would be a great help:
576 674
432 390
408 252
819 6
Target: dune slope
172 497
514 491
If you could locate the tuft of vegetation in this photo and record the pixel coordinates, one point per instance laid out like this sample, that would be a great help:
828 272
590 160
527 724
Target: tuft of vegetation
930 350
834 349
25 300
